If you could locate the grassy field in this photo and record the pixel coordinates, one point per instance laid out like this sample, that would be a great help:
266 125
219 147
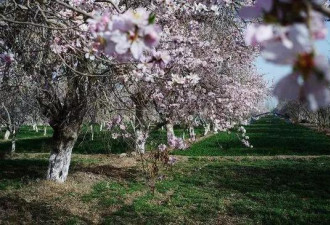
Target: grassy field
210 184
30 141
269 136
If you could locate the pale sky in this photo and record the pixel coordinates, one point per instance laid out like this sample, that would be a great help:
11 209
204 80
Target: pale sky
273 73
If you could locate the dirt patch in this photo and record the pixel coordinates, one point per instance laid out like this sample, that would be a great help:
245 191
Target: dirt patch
39 198
113 172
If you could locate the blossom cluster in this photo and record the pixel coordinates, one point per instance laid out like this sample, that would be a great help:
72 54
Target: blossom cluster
177 143
125 35
286 37
245 138
7 58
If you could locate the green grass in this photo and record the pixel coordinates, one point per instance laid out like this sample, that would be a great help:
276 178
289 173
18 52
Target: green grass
245 192
30 141
197 190
269 136
33 142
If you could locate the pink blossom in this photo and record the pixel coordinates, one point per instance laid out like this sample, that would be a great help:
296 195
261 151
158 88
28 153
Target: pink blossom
171 160
256 10
162 147
7 58
278 51
122 127
309 83
128 33
160 58
256 34
114 135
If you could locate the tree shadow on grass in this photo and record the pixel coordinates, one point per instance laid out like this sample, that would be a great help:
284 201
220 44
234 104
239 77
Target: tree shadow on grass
14 210
23 168
84 145
129 174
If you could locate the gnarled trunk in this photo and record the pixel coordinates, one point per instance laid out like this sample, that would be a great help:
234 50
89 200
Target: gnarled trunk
60 157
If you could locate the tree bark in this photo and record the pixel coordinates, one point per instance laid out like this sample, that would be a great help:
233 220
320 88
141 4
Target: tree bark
13 142
170 131
206 129
192 134
60 157
92 132
7 134
35 128
140 140
215 128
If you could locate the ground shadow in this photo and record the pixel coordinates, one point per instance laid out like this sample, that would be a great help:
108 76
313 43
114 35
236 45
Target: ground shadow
14 210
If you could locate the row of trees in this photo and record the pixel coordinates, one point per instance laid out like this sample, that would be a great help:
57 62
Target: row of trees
136 65
300 113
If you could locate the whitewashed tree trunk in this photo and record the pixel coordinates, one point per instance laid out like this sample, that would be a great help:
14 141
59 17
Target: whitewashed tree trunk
7 134
45 131
101 127
92 132
215 128
13 146
192 134
206 129
35 127
170 131
60 157
13 142
59 163
140 141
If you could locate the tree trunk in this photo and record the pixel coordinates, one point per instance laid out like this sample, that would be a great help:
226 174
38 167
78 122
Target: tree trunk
141 129
92 132
215 128
170 131
140 141
13 142
192 134
45 131
35 128
60 157
101 127
7 134
206 129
